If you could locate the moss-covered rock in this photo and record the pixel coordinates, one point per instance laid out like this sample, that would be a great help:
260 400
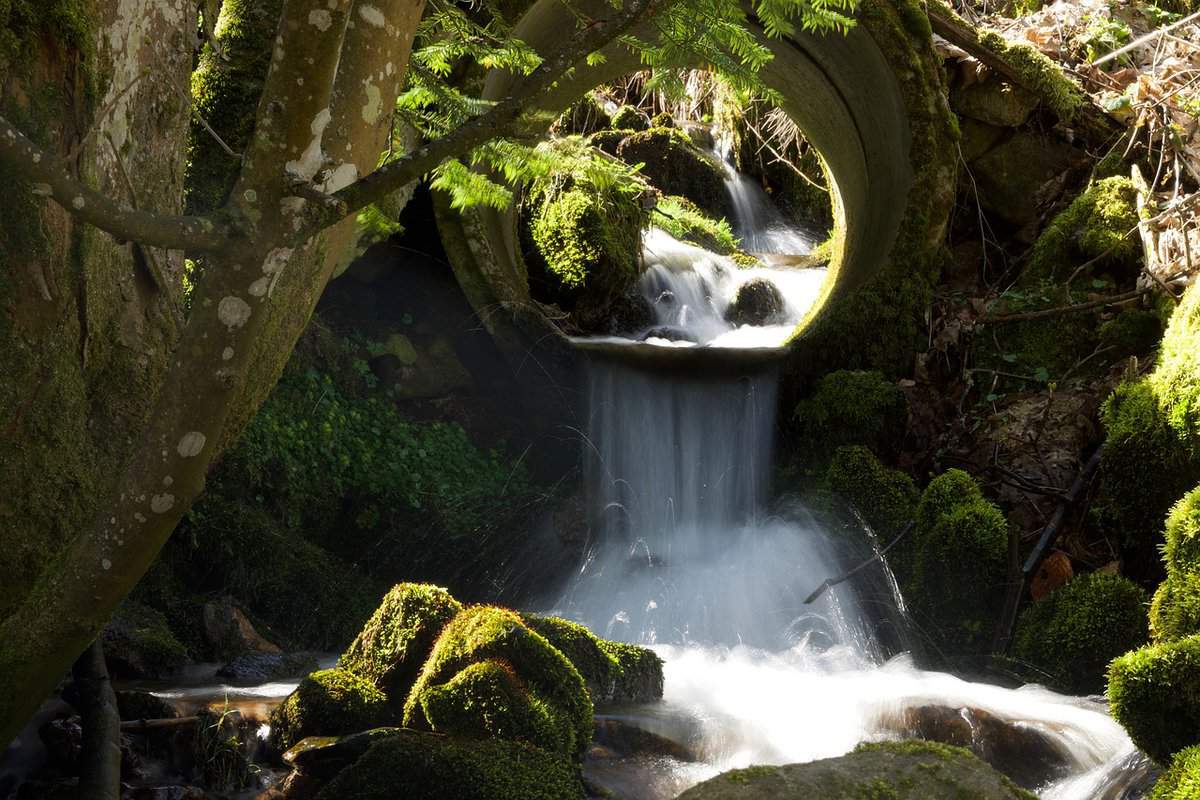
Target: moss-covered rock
684 220
909 770
586 115
629 118
1154 692
434 767
1175 608
1132 332
613 672
1100 225
960 563
393 645
330 702
677 167
757 302
852 407
887 498
138 643
1181 552
1182 780
486 633
1073 634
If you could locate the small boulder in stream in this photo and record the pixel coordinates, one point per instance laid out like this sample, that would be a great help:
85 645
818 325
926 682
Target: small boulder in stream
264 667
758 302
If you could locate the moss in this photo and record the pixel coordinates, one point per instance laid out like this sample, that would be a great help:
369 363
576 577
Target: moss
432 767
1073 634
1175 609
393 645
662 120
483 633
612 671
586 115
1182 780
1132 332
629 118
609 141
1182 548
684 220
677 167
331 702
139 643
852 407
1154 692
1099 225
960 562
887 498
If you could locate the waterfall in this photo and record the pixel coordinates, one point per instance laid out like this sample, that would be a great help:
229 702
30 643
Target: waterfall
756 220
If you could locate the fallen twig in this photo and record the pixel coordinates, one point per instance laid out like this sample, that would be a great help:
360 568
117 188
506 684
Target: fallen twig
845 576
1048 313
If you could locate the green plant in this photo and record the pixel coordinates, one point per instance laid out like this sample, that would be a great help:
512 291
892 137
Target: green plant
684 220
219 752
613 672
1154 692
1182 780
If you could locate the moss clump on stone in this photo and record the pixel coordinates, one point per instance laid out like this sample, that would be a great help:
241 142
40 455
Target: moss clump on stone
484 633
330 702
393 645
612 671
1175 611
677 167
1154 692
887 498
1099 225
586 115
960 560
138 643
433 767
852 407
1073 634
684 220
662 119
1182 780
1131 332
629 118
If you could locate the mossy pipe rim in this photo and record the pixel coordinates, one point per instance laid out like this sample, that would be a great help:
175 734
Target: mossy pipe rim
840 89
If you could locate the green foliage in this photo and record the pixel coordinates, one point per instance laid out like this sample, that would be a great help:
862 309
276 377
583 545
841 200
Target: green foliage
852 407
1154 692
220 753
1182 548
1104 33
1175 609
1182 780
629 118
1098 225
392 647
612 671
484 633
431 767
330 702
684 220
585 116
960 562
887 498
1073 634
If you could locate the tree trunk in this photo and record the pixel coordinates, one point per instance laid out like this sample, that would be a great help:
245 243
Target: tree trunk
100 771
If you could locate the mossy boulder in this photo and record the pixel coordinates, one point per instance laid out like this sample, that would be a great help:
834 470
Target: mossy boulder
1132 332
393 645
1018 169
613 672
887 498
1154 692
1175 611
1182 780
677 167
331 702
1099 225
757 302
960 563
434 767
486 633
910 770
1181 551
629 118
138 643
586 115
684 220
663 119
1073 634
850 407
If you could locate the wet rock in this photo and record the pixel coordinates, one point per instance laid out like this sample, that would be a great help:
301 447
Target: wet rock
164 792
993 102
1022 752
630 313
136 704
230 633
758 302
677 167
322 757
62 739
670 333
262 667
619 738
294 787
893 770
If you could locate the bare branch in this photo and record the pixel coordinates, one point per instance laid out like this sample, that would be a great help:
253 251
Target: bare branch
50 177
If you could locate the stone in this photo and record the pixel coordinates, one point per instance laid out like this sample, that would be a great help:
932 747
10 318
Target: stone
977 138
993 102
138 643
263 667
758 302
323 757
677 167
1017 179
620 738
230 633
136 704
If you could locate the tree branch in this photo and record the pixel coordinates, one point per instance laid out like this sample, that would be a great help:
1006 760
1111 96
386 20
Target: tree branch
1047 313
100 777
50 177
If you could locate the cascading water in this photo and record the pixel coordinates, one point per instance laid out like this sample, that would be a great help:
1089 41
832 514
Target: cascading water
686 559
757 222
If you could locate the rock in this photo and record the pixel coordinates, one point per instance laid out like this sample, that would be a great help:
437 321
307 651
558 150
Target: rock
164 792
1022 752
230 633
670 333
295 786
1055 571
758 302
263 667
677 167
138 643
993 102
630 313
432 369
332 702
136 704
621 738
1017 179
978 138
613 672
912 770
63 739
325 756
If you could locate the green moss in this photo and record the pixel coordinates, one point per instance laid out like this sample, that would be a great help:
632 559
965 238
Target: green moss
393 645
488 700
432 767
1182 548
677 167
1182 780
887 498
1132 332
960 563
609 141
1154 692
1073 634
612 671
684 220
139 643
662 120
1099 225
586 115
1175 609
331 702
629 118
852 407
483 633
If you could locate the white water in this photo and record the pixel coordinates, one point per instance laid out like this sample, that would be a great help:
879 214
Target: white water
757 222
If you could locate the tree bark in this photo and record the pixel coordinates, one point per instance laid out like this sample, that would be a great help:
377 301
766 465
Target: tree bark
100 770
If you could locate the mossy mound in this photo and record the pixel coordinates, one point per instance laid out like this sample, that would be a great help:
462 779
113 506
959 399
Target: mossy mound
486 633
1154 692
850 407
887 498
960 562
393 645
138 643
330 702
433 767
684 220
677 167
613 672
1182 780
1100 225
1073 634
585 116
909 770
1175 612
1181 552
629 118
1132 332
